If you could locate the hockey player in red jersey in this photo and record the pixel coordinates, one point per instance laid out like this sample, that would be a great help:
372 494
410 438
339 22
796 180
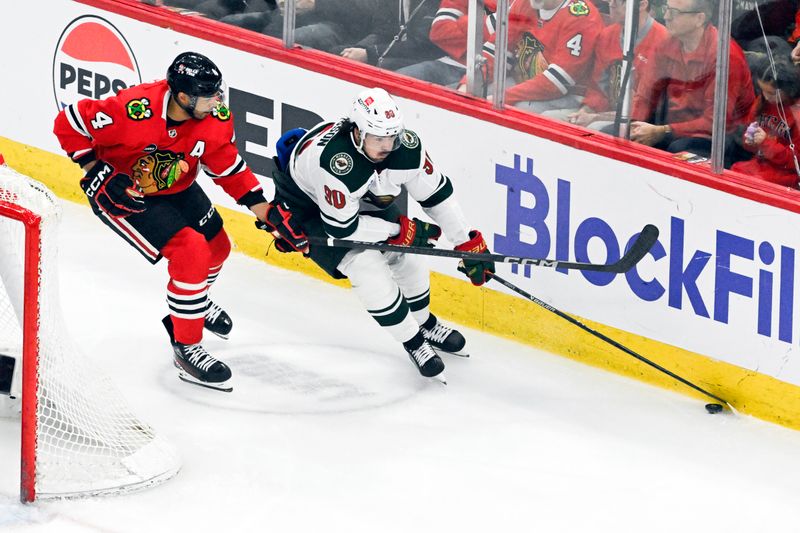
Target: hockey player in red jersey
550 44
141 151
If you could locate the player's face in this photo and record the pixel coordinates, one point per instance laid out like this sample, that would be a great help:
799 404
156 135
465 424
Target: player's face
378 148
206 104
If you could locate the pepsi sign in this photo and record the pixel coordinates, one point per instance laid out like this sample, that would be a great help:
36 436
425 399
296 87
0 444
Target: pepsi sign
92 60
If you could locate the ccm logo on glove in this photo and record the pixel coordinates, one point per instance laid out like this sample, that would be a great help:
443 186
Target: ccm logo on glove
98 180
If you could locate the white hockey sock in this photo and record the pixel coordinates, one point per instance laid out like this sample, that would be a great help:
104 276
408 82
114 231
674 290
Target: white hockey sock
413 278
374 285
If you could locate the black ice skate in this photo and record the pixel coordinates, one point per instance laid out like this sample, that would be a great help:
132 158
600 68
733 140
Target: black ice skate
218 321
196 366
443 338
424 357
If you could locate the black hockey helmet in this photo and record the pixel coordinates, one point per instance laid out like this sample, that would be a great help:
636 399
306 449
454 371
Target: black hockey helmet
195 75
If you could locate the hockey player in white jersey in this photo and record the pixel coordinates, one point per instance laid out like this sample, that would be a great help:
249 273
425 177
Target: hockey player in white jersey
326 176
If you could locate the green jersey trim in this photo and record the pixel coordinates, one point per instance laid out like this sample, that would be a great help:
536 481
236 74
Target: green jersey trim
443 192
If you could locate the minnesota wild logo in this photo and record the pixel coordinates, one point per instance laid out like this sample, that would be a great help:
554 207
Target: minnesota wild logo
221 112
138 110
159 170
409 139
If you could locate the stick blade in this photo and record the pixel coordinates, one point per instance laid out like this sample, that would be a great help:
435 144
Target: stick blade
647 238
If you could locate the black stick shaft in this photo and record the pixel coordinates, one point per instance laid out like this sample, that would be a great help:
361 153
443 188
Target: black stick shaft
604 338
637 251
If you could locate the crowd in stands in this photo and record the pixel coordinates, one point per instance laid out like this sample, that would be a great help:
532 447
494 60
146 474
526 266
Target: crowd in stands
564 61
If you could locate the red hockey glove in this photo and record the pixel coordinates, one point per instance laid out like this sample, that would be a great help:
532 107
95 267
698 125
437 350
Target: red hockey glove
289 237
111 192
415 232
478 272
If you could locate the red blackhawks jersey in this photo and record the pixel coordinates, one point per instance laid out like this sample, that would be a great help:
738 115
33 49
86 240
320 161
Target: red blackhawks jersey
552 49
130 132
449 27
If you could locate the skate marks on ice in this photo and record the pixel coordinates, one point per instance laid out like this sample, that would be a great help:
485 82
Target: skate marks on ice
307 379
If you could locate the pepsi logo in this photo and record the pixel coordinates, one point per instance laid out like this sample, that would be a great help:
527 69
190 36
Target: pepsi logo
92 60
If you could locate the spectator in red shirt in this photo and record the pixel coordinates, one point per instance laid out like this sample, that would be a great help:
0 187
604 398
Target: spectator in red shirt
775 127
683 79
599 105
550 44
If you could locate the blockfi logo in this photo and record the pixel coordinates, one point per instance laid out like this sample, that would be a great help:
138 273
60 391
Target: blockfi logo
92 60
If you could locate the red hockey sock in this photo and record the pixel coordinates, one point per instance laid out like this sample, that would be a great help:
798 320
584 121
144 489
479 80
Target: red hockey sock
189 257
220 247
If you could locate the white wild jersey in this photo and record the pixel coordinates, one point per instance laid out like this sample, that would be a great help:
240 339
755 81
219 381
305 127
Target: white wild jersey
328 168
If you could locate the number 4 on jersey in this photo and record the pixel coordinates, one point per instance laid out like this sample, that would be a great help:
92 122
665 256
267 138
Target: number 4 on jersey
574 45
101 120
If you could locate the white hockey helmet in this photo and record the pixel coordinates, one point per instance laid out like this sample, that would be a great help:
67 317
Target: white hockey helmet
374 112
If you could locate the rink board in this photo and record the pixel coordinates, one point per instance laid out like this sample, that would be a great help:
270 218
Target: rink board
714 301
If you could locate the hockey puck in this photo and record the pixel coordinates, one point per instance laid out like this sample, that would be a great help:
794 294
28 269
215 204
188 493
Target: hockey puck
713 408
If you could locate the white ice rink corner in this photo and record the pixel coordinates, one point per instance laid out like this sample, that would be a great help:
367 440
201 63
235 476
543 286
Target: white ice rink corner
330 428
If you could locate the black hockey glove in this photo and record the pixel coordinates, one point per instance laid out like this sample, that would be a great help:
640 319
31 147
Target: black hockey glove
289 237
111 192
415 232
478 272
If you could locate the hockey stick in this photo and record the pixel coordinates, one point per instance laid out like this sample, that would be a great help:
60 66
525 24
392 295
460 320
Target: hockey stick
636 252
610 341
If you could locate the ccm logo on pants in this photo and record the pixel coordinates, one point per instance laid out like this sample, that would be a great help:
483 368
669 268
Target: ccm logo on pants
207 216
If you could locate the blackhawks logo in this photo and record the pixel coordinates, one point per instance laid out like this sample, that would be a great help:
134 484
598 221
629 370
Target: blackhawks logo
138 110
530 58
579 8
221 112
159 170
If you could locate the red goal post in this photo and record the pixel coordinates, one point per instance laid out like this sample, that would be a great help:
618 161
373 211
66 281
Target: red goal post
79 437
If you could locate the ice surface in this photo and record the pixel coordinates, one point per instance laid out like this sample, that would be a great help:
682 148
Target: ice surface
330 428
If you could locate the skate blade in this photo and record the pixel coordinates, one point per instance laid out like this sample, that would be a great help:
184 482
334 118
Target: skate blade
460 353
220 335
222 387
440 377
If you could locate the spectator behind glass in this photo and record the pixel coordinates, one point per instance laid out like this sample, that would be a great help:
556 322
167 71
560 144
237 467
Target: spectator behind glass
772 131
775 15
449 32
674 102
400 36
602 96
550 44
328 25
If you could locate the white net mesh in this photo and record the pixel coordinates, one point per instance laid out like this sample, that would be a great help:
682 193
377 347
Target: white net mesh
87 441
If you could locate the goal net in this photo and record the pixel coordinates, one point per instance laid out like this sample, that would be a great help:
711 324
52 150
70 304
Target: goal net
79 437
